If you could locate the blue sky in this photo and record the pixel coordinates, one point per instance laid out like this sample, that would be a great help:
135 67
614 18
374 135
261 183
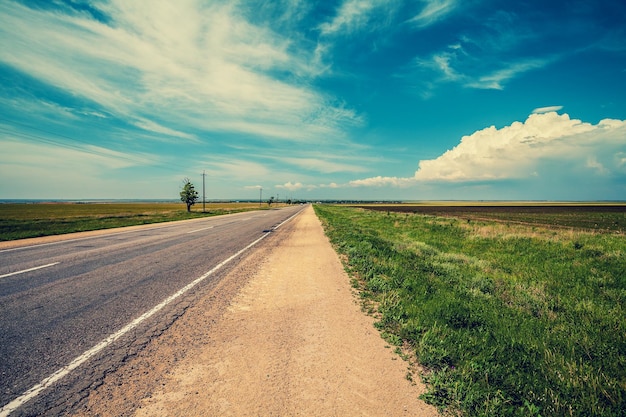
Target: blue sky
368 99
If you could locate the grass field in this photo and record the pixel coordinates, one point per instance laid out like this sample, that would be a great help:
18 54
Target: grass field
19 221
509 319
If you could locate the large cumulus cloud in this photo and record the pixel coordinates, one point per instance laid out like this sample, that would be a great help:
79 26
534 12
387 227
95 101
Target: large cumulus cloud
523 150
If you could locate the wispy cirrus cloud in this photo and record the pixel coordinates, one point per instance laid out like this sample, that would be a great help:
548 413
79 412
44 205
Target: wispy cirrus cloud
174 68
497 79
497 49
151 126
350 16
456 65
355 15
77 170
433 11
76 158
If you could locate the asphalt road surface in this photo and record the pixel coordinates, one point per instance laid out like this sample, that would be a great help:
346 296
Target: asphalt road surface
71 310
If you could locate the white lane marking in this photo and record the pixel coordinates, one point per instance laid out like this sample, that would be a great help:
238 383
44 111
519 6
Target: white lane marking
155 226
78 239
287 220
199 230
28 270
56 376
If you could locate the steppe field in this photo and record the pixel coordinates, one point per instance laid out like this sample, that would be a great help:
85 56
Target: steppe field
25 220
512 310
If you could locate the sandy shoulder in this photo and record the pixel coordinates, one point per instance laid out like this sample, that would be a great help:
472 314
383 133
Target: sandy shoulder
291 340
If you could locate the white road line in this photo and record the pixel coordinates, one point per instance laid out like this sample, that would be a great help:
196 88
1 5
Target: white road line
46 382
78 239
156 226
288 219
28 270
199 230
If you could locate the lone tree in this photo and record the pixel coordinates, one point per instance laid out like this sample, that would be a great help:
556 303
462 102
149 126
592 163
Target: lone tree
188 195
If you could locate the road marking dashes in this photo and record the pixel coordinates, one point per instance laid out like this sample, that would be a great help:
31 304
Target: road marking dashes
28 270
199 230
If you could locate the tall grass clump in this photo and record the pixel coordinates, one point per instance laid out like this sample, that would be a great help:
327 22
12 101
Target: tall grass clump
506 320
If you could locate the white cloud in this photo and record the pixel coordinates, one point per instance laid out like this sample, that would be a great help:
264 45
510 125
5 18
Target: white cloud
497 79
592 163
521 149
481 59
433 11
190 66
54 165
455 65
48 169
547 109
291 186
548 156
157 128
380 181
353 15
441 64
237 169
75 158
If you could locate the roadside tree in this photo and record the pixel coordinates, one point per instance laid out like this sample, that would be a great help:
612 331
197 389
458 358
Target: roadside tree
188 195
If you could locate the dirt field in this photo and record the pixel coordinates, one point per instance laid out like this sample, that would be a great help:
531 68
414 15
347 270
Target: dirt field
598 217
283 335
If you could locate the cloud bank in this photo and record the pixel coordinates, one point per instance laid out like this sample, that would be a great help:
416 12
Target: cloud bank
547 146
521 149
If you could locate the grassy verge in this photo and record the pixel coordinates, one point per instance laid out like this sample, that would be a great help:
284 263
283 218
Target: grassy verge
509 320
19 221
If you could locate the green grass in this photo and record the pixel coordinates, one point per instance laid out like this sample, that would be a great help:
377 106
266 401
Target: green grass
19 221
509 320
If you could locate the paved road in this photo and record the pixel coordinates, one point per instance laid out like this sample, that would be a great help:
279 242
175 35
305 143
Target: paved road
59 300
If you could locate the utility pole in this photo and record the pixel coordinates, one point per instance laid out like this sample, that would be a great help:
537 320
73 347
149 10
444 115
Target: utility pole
260 195
203 196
